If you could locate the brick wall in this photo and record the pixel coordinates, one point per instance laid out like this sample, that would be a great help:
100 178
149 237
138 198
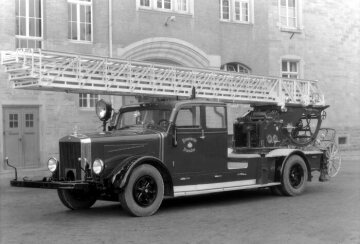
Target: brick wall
329 49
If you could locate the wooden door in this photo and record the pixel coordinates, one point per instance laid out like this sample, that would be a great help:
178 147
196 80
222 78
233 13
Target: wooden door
21 136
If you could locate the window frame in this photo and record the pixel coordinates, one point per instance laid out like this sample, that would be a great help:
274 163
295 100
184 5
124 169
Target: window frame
232 12
224 122
238 65
27 24
288 72
78 29
298 17
198 108
173 3
88 99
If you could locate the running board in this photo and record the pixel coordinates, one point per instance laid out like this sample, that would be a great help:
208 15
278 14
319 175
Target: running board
190 190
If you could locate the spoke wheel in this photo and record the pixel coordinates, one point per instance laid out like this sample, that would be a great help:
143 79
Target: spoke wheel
294 176
144 192
333 159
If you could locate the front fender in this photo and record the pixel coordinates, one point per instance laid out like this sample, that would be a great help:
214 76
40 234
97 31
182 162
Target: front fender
121 176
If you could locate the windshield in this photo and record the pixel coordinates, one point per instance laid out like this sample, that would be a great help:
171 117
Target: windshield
145 118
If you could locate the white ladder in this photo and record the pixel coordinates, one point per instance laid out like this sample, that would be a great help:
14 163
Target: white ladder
56 71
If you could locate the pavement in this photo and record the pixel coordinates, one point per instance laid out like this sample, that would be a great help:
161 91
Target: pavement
326 213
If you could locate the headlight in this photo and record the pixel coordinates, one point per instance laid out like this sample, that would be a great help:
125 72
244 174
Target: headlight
52 164
98 166
103 110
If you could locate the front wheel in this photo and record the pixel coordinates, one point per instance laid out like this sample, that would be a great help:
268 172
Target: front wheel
294 177
144 192
76 199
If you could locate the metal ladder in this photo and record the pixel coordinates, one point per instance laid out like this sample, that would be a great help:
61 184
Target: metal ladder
55 71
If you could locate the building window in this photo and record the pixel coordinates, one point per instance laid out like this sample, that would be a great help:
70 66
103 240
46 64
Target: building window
235 10
80 20
290 69
342 140
225 9
28 14
178 6
290 14
163 4
145 3
236 67
88 100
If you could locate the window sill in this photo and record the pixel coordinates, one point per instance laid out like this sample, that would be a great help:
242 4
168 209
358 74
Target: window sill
80 42
164 11
290 29
37 38
87 109
235 22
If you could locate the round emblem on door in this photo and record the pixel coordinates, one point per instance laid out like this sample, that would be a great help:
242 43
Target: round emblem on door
189 144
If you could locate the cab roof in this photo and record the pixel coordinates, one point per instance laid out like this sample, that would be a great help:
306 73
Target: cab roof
171 104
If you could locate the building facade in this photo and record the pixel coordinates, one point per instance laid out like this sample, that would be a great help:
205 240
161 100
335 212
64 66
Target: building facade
316 40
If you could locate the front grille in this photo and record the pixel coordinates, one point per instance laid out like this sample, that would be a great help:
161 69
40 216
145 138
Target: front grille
70 152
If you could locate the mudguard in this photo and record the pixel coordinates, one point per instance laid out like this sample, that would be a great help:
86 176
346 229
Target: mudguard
121 175
286 153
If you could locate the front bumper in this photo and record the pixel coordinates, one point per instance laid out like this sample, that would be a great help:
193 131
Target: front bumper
48 184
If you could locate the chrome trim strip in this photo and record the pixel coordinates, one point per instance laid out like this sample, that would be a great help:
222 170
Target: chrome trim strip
161 147
237 165
240 155
85 149
244 184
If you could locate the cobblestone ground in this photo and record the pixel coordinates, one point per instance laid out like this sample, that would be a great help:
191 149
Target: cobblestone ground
325 213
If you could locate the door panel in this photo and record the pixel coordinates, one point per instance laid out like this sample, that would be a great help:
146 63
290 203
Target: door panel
21 136
30 137
12 136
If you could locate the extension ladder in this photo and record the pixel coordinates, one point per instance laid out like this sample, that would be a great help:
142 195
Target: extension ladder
55 71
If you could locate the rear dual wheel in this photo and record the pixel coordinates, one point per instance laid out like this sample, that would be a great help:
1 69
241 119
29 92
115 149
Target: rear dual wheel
144 192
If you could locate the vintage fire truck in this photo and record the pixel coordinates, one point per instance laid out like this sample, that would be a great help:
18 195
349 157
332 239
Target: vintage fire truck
178 146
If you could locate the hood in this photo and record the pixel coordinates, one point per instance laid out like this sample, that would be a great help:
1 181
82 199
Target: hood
114 147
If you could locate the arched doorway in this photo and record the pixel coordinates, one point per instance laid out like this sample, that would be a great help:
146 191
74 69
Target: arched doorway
162 50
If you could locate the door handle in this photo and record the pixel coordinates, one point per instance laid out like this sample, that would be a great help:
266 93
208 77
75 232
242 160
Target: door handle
202 135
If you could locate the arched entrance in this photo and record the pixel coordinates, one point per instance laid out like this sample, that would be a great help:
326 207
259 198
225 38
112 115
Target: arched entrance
166 50
169 51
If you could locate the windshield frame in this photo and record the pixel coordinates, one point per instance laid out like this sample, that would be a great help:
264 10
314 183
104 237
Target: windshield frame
145 107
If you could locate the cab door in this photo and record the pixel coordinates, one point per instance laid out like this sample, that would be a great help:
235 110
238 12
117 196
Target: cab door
187 157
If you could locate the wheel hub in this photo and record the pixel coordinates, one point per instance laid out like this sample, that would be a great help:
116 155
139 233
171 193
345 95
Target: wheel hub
145 191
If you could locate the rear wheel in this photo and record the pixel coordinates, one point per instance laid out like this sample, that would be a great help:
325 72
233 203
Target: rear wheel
76 199
144 192
294 177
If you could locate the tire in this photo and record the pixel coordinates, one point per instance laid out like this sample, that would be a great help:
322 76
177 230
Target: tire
76 199
144 192
294 177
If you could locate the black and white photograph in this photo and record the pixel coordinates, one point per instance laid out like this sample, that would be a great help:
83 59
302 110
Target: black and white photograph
179 121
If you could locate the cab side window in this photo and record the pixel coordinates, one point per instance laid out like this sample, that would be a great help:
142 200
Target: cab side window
188 117
215 117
